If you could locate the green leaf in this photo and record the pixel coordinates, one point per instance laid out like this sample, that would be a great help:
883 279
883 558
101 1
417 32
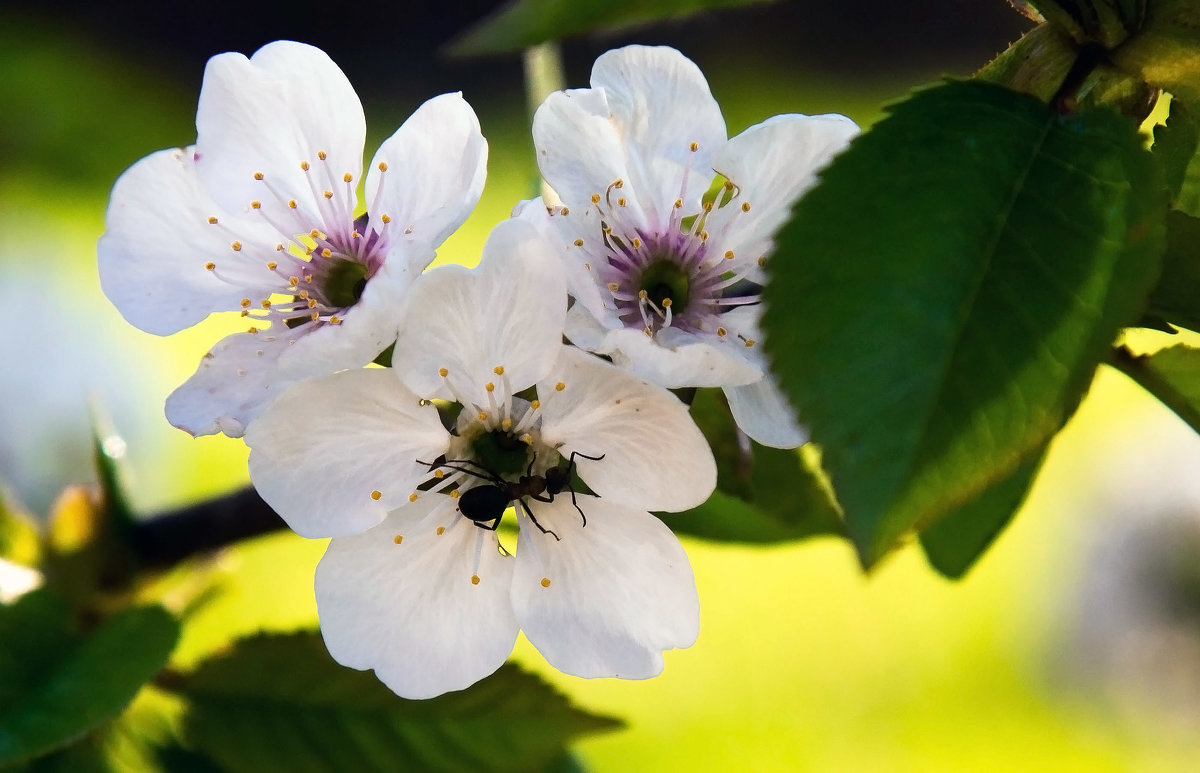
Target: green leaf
20 540
763 494
956 542
1165 52
525 23
1176 297
279 702
938 304
1177 146
1172 375
56 684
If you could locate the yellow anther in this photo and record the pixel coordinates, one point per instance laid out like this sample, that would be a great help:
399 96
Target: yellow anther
621 202
722 332
489 386
253 331
256 205
560 386
694 146
666 304
613 287
527 439
618 183
210 266
728 185
271 265
376 495
245 313
454 494
643 295
315 316
745 206
498 370
292 203
750 342
579 242
637 243
383 166
728 254
649 333
385 218
545 582
443 372
304 295
704 236
304 165
325 253
266 303
334 320
321 154
258 175
678 203
279 247
564 211
293 280
441 529
439 474
412 497
347 177
312 303
212 220
535 404
708 205
355 235
506 424
245 303
235 246
398 538
474 579
329 194
482 415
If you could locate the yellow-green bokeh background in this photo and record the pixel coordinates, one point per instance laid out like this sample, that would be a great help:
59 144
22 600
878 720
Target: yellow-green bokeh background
803 663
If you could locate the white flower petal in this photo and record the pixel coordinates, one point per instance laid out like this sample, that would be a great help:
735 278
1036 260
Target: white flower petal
285 105
620 589
410 610
234 382
508 312
774 163
436 163
322 449
660 103
655 458
159 240
762 412
684 359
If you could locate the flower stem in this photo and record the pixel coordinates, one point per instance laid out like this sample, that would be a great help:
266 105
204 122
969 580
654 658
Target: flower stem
168 538
543 76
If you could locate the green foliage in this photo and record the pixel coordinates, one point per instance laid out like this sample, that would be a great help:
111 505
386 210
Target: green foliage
1172 375
956 542
763 494
1105 22
963 267
58 683
281 703
526 23
1165 52
1176 297
1177 146
20 541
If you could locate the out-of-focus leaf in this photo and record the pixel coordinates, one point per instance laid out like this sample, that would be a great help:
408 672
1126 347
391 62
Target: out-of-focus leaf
1176 297
1177 146
109 449
279 702
1165 52
1172 375
57 685
939 302
525 23
763 494
955 543
20 541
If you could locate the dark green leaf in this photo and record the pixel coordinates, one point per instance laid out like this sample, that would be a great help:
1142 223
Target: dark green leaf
281 703
763 494
1166 51
1172 375
1177 146
956 542
56 684
525 23
1176 297
963 268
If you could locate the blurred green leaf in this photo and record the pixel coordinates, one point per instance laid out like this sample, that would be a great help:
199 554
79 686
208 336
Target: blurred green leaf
57 684
1165 52
1177 146
279 702
1172 375
525 23
939 302
1176 297
20 540
763 494
956 542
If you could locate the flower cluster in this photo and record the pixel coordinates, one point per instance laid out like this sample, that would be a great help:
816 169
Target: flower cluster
653 258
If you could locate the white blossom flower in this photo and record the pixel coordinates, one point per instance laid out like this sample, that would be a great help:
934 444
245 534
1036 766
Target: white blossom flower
664 259
259 217
415 583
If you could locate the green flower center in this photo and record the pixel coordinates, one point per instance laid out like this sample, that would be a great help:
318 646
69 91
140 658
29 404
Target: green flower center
664 280
343 282
500 452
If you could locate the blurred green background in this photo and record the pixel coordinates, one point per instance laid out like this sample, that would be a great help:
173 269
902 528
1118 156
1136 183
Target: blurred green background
1069 647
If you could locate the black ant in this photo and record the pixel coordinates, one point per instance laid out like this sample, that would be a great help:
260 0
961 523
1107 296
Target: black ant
485 505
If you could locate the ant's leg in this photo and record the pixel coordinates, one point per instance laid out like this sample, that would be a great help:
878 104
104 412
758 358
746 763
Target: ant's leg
488 526
577 507
541 528
574 454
